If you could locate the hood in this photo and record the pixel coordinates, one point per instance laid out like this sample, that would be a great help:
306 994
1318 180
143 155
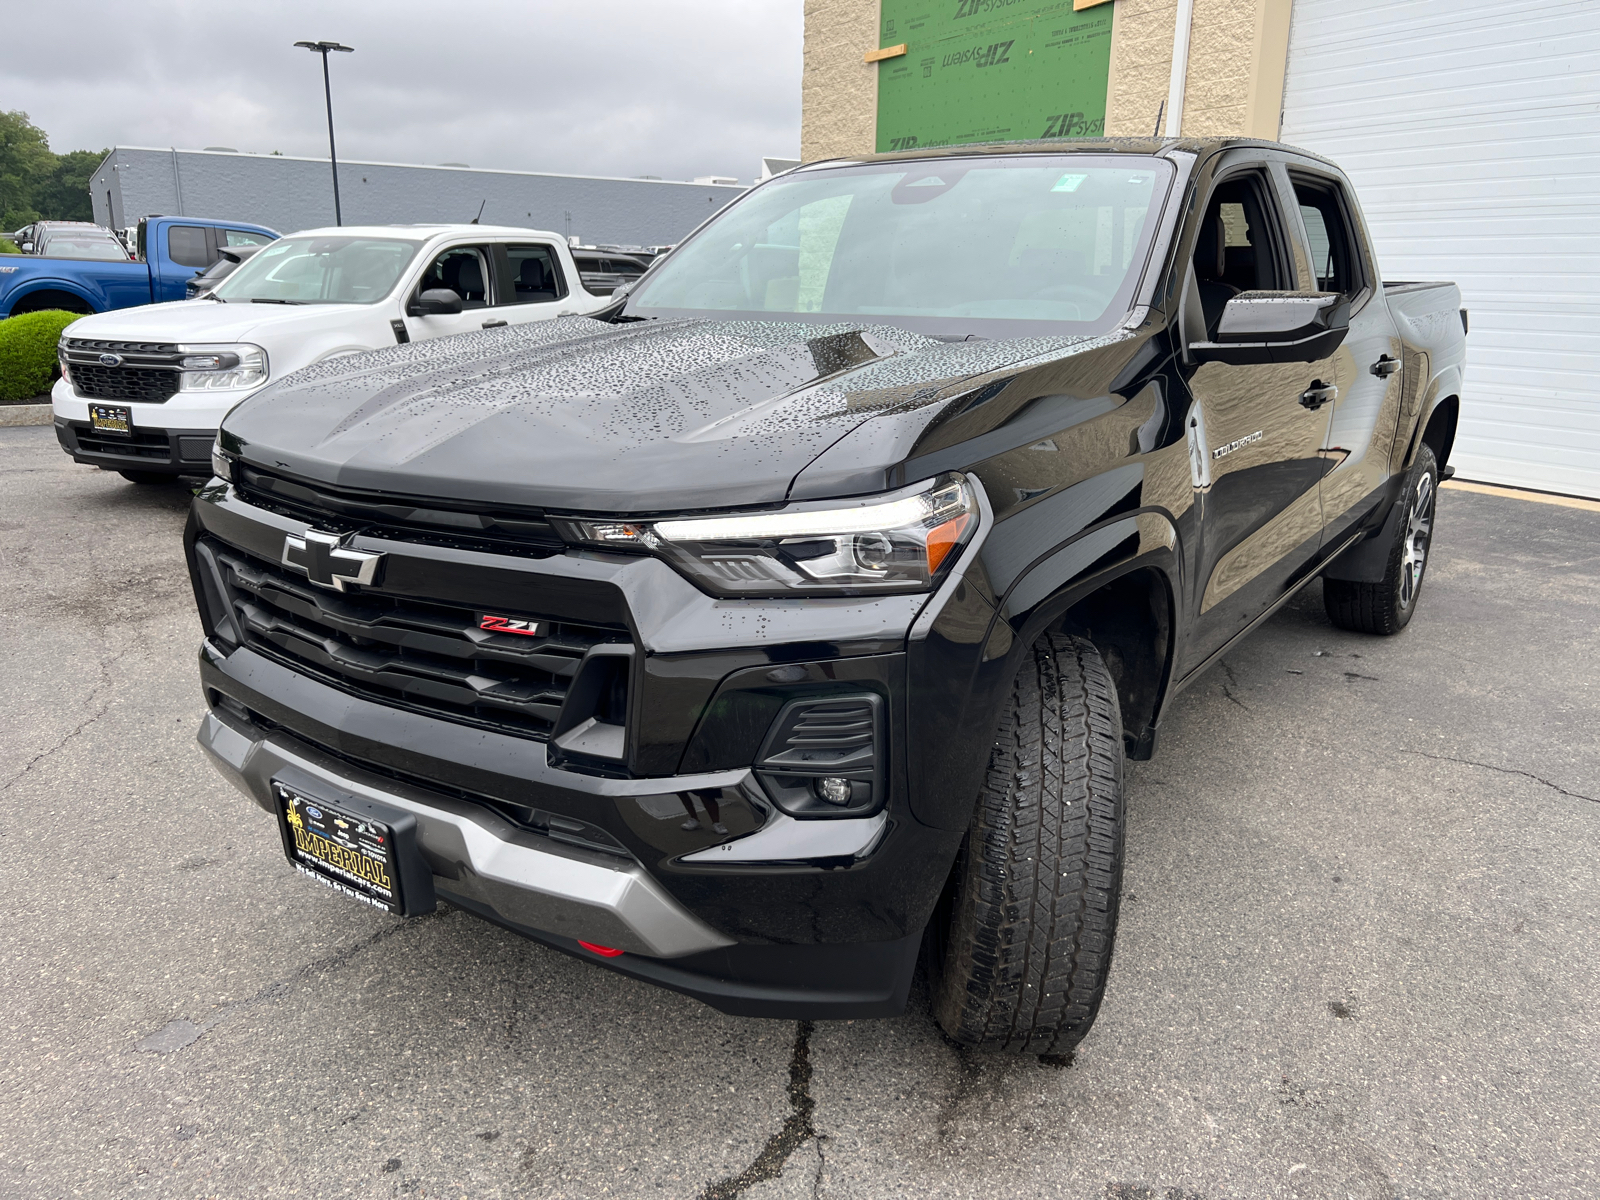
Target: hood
575 415
200 321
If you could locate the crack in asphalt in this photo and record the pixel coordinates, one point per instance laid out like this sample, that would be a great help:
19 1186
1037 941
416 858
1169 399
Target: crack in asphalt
181 1032
1467 762
1227 691
105 682
795 1132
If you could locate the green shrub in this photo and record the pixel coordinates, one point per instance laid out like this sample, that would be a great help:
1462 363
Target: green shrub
7 246
28 353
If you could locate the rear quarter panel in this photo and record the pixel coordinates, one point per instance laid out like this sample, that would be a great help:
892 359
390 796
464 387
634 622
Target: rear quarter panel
101 285
1427 316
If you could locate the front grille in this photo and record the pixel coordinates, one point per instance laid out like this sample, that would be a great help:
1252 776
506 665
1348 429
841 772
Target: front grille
98 347
413 654
148 373
145 385
141 443
435 522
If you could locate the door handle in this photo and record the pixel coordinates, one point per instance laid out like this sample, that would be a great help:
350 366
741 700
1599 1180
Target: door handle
493 324
1318 394
1385 366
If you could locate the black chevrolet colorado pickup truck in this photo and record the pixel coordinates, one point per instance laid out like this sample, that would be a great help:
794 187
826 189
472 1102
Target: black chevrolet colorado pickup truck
793 617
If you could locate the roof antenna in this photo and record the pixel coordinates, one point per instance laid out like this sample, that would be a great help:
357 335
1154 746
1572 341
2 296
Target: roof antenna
474 220
1160 112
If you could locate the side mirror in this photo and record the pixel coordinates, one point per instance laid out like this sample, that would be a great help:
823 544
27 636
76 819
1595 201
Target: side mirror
27 247
435 302
1277 327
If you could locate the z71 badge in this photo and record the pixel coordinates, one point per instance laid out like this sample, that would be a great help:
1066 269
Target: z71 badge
494 624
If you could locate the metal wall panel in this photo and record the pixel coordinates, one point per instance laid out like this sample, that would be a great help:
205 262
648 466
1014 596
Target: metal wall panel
1472 131
297 193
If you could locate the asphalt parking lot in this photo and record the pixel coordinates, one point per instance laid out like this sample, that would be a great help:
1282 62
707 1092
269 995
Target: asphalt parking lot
1360 953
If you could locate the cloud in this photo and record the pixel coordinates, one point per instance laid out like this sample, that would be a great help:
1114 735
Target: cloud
674 88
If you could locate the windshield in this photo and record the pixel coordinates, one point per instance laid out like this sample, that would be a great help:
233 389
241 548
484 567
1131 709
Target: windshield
1000 245
100 249
320 270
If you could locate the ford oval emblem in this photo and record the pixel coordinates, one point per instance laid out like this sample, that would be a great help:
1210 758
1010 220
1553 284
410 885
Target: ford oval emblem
111 360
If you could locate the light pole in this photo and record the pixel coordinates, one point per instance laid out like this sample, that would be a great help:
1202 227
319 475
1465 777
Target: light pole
323 48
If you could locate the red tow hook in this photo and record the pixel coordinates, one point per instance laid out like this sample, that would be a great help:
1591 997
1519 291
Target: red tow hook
602 951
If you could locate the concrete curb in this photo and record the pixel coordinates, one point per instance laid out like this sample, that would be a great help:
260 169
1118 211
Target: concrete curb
25 414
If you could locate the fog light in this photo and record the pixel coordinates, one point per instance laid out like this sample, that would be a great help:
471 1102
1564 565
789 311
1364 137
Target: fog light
834 790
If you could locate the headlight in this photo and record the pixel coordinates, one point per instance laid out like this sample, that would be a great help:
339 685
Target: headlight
207 368
61 357
221 464
893 543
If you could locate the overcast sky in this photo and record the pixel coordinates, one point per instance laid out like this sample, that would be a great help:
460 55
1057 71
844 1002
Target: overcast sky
674 88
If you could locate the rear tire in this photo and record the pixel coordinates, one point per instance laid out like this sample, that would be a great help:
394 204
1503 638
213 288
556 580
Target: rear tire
1029 923
148 477
1385 607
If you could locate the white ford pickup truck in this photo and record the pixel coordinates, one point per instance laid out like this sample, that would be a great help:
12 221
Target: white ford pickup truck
143 389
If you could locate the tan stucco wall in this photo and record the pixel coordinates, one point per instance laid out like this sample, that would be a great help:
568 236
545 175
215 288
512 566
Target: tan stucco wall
1237 52
839 92
1234 85
1141 64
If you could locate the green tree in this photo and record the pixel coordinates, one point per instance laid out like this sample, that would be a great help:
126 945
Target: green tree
25 159
63 194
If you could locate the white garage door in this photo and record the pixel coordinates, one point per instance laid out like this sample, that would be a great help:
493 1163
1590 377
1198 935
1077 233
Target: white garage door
1472 131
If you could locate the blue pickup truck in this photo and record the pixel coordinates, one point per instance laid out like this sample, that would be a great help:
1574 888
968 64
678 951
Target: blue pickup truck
172 250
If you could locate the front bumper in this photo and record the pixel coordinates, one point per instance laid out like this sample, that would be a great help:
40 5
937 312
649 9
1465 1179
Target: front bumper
165 451
565 895
173 437
754 911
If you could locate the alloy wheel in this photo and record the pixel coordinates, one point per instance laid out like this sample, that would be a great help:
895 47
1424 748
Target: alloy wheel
1419 528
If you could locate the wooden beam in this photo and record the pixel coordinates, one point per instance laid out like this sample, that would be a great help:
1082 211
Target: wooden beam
1080 5
872 56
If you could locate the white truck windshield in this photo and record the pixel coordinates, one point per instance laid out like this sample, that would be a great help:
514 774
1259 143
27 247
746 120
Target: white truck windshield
320 270
1050 241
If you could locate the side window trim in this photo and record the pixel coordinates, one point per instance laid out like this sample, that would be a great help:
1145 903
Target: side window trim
508 286
1278 229
1278 234
1359 254
486 259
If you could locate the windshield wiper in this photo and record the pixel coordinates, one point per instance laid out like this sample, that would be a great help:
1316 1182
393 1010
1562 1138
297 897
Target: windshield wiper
263 300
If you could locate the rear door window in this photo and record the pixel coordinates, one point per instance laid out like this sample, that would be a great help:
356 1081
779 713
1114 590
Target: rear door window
1329 239
534 274
186 246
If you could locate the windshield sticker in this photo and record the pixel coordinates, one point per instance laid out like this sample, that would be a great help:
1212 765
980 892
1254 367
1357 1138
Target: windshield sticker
930 181
1068 183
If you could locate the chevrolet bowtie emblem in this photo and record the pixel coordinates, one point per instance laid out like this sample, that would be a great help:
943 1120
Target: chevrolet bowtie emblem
327 563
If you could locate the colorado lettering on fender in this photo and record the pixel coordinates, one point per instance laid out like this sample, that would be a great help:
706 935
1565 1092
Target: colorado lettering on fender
1236 443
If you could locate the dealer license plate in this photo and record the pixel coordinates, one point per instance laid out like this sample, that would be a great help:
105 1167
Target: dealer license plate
351 854
111 418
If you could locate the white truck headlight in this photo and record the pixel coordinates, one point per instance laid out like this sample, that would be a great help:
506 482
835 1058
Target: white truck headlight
893 543
220 367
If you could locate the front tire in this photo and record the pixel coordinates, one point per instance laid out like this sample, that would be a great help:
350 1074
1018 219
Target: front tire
1386 607
1028 928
